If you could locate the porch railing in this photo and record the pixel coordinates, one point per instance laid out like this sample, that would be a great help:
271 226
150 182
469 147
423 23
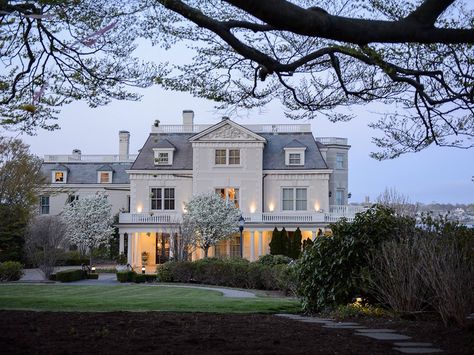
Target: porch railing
334 214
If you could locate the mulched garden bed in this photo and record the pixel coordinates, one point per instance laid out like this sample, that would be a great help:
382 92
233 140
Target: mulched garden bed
23 332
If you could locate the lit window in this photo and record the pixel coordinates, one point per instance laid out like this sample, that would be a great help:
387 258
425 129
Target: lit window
294 199
229 194
105 177
44 204
59 176
339 161
221 157
162 198
294 159
234 157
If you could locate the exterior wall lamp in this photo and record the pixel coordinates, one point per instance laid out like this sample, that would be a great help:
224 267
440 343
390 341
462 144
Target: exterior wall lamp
241 229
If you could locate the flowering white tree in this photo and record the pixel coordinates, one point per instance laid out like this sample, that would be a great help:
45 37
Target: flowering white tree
214 219
89 222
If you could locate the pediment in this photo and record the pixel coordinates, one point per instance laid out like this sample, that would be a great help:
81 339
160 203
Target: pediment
227 131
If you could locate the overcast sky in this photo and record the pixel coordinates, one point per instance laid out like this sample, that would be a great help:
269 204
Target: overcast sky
434 175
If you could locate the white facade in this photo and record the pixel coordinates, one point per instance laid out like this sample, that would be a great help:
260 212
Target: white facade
278 176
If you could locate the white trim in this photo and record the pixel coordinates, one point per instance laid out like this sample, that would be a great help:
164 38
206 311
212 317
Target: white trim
53 177
104 172
231 123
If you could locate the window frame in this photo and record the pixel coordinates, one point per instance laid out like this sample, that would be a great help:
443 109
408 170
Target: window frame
43 206
99 177
292 156
235 160
162 200
293 199
160 160
340 162
339 197
54 176
224 192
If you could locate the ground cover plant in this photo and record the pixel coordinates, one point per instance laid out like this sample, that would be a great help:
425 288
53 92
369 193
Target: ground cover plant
10 271
134 298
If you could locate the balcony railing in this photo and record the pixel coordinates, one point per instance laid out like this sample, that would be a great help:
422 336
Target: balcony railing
257 128
90 158
332 140
335 213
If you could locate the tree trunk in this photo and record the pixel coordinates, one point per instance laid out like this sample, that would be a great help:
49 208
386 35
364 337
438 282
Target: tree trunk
90 257
206 250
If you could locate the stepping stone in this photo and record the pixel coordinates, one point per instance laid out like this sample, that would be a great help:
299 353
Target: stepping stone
344 326
385 336
378 331
290 316
418 350
316 320
413 344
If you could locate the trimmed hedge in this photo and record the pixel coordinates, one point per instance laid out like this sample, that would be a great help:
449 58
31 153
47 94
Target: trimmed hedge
229 272
71 275
11 271
93 276
125 276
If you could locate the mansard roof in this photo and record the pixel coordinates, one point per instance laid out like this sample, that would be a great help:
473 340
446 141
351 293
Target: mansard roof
274 157
182 156
58 167
105 167
273 153
295 144
165 144
86 173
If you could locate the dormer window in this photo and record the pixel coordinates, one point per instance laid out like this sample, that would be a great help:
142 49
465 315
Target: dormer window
105 177
104 174
294 159
163 158
59 175
294 153
163 153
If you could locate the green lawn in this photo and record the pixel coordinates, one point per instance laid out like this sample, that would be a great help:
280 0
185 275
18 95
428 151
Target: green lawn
134 298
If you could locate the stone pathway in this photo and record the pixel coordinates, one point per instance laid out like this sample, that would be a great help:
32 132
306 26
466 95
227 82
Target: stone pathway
400 342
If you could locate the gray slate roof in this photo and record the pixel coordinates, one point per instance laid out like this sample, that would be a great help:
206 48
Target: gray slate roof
295 144
182 156
164 143
86 173
273 153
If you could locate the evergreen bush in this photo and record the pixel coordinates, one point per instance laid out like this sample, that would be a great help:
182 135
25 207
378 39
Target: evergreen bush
335 269
11 271
126 276
71 275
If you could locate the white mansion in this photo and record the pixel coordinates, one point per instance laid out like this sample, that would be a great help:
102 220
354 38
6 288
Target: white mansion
278 175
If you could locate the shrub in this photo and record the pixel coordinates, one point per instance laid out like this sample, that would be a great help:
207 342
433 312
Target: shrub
164 272
70 275
272 260
126 276
150 277
11 271
429 269
139 278
294 249
335 269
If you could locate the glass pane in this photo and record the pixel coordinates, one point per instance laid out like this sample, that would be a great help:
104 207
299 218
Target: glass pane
295 159
220 158
234 156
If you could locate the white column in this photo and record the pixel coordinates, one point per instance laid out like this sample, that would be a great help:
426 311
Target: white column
121 243
129 249
138 256
171 232
260 242
313 235
252 245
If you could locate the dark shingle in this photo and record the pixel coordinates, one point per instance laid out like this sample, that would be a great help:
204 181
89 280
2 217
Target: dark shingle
86 173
